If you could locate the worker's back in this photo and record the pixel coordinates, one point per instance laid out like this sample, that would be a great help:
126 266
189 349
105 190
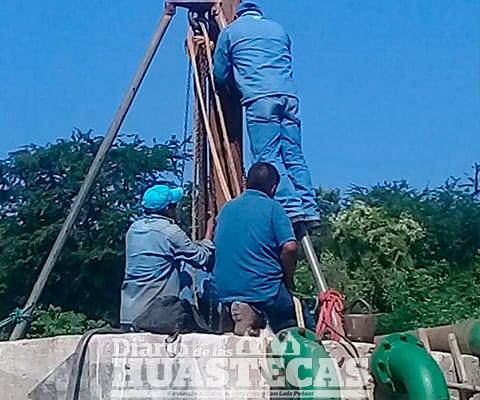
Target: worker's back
261 57
150 266
149 250
250 233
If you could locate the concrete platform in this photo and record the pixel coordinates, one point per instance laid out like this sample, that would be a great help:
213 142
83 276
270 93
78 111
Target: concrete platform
136 366
25 363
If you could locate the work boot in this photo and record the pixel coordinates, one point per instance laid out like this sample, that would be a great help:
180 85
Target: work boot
297 219
314 226
248 322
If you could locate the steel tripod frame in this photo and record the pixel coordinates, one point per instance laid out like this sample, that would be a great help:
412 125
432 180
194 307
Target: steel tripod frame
170 10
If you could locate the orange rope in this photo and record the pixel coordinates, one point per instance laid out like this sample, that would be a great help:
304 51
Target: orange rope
331 314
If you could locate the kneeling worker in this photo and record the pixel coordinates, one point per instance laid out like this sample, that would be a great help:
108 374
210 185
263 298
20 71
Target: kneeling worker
256 254
156 250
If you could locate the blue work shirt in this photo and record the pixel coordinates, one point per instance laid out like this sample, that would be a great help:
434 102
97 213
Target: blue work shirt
250 233
156 250
256 52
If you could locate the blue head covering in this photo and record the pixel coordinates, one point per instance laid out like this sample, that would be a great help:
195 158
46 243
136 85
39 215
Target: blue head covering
159 197
247 6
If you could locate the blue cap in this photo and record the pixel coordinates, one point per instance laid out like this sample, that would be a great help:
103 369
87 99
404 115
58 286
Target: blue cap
248 5
159 197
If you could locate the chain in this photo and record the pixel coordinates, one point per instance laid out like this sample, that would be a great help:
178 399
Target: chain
199 161
186 139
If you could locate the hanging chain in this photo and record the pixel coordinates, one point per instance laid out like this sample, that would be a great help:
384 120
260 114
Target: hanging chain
186 138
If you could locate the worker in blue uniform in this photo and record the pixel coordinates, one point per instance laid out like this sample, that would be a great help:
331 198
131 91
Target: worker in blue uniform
159 255
254 53
256 256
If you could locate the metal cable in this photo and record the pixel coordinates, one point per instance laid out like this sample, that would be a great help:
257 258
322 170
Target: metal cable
76 370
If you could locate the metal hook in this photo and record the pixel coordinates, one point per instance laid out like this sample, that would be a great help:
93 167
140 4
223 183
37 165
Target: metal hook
195 17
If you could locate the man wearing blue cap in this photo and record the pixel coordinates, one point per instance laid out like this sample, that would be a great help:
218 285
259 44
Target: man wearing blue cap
255 54
157 249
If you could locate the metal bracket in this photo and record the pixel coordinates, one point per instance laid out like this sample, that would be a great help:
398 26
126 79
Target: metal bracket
185 3
195 17
192 3
197 8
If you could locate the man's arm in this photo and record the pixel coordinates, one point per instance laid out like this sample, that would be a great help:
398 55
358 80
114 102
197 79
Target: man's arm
222 66
197 254
289 262
285 238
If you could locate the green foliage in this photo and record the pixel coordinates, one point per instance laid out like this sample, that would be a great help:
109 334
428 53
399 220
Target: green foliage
413 255
329 201
54 322
377 246
37 186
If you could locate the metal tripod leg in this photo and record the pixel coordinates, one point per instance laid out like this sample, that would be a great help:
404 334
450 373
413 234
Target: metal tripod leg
19 330
314 263
303 235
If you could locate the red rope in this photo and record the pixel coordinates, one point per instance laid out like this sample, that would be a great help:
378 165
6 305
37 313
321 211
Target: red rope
331 314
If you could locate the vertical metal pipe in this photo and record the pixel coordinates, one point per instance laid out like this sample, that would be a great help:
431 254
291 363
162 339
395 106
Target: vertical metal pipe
302 235
322 285
20 329
314 263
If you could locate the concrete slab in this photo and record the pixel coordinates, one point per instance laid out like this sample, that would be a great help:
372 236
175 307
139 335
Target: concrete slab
42 367
24 363
127 366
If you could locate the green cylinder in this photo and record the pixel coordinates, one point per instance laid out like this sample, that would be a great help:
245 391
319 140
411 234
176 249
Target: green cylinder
401 364
467 334
474 337
308 366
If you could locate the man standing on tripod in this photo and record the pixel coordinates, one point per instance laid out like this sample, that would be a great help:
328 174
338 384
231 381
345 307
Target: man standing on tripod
255 54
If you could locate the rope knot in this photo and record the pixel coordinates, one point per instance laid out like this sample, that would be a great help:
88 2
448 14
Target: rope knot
331 304
18 315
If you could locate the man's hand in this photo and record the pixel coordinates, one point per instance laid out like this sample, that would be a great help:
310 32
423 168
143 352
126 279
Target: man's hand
211 223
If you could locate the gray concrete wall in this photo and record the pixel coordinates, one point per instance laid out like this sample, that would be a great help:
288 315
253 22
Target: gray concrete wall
41 367
24 363
111 363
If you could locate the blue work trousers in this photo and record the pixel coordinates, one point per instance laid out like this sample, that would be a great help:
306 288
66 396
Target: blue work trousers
274 128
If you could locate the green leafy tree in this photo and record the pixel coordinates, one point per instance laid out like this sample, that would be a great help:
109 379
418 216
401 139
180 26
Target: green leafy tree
37 186
52 321
414 255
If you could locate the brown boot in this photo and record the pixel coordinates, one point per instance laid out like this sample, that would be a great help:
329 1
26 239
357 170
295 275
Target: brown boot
247 320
